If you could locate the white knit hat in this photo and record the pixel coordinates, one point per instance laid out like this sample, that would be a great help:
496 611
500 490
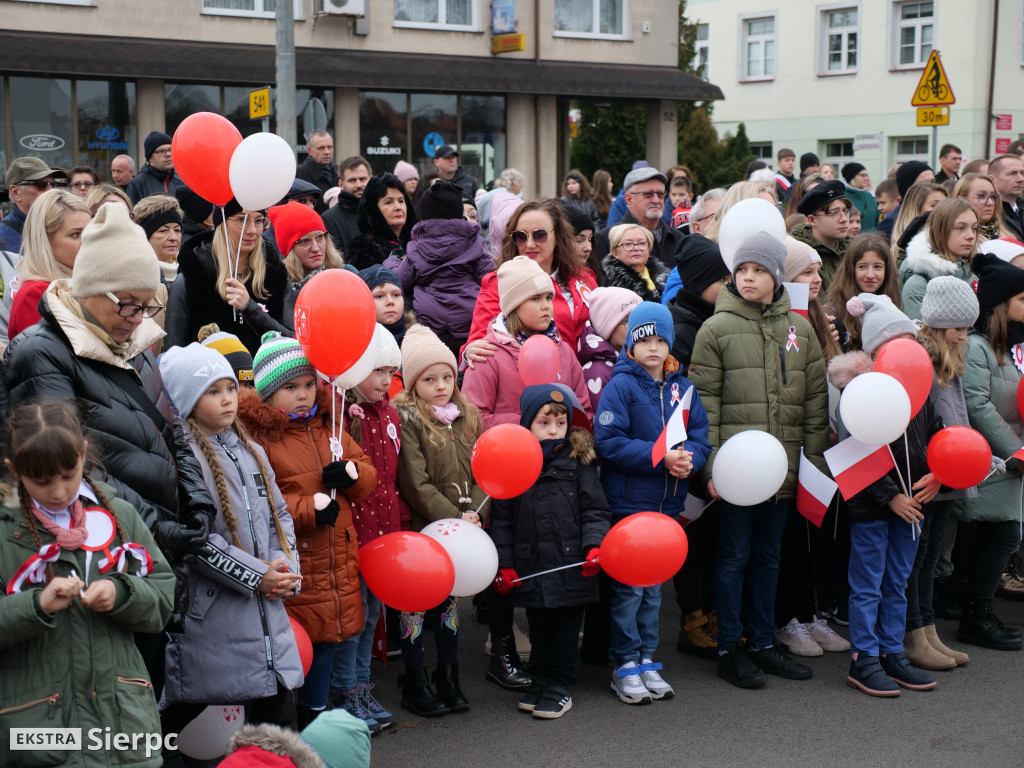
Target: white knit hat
520 280
115 256
388 353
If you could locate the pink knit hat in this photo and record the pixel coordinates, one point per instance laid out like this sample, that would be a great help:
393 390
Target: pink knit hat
405 171
609 307
520 280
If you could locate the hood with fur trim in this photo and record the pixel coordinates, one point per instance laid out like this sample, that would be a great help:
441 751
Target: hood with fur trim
266 423
842 369
922 260
277 741
582 444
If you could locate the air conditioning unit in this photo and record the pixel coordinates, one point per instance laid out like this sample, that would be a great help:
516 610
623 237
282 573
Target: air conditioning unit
343 7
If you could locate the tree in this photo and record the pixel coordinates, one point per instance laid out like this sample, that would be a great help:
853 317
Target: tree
611 138
699 147
733 158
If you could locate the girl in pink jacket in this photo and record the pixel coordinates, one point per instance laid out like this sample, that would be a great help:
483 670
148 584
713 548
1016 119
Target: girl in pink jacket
526 300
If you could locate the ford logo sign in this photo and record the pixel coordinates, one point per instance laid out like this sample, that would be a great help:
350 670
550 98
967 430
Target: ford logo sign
108 133
41 142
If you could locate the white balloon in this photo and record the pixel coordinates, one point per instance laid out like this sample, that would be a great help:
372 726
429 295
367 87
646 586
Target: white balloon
206 737
364 365
261 172
744 219
875 408
472 553
749 468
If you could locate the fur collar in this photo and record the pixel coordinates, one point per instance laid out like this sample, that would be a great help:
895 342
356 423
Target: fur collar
277 741
266 424
582 443
842 369
922 260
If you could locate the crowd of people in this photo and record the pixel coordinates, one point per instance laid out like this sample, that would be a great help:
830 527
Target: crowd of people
184 490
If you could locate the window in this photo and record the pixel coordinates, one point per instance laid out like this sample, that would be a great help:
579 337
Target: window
758 48
437 14
839 42
838 153
915 28
911 149
591 18
260 9
700 58
762 152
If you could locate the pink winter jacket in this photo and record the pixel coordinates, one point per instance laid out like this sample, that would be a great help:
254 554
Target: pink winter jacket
494 385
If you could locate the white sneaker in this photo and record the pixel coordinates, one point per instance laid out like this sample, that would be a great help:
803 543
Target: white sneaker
627 685
653 682
797 639
826 638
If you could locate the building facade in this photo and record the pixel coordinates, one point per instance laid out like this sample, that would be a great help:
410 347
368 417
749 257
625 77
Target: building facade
83 80
837 78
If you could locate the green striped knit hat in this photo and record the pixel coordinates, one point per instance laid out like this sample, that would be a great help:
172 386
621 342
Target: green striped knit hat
278 360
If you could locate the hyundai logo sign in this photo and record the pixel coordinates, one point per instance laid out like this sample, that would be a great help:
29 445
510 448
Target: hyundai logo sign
41 142
107 138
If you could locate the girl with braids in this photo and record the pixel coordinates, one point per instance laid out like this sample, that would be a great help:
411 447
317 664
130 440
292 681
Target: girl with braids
248 566
79 574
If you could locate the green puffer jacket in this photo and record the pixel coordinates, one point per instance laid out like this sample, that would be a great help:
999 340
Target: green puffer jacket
78 668
990 390
747 379
830 257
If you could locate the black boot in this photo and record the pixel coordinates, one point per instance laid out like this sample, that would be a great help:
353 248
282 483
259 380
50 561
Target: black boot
417 696
304 716
446 678
981 626
506 668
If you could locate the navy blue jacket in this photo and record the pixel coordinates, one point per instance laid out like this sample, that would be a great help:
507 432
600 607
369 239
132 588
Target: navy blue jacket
634 410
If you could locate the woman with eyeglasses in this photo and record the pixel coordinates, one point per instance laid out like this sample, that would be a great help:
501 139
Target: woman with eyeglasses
538 229
83 178
945 246
302 237
980 192
630 263
385 219
233 277
50 241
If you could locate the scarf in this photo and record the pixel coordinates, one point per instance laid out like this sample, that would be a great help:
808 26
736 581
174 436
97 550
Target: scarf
301 416
92 325
988 231
68 538
397 329
549 448
551 333
447 413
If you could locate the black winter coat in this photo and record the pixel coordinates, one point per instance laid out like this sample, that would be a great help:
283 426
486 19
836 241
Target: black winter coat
324 177
340 221
619 275
377 240
152 459
149 181
557 522
194 301
689 311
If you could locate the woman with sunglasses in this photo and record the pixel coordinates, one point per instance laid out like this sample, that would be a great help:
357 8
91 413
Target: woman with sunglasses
980 192
233 277
538 229
50 242
630 263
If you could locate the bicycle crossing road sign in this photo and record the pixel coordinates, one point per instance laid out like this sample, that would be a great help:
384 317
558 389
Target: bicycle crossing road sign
933 89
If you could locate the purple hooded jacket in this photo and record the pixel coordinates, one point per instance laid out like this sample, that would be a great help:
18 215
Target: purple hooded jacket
444 262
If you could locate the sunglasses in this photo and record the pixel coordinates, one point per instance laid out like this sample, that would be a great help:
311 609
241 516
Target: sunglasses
521 238
43 184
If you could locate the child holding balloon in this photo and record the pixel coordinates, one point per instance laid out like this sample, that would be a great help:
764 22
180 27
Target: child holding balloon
435 478
645 389
495 384
560 520
321 472
884 519
249 565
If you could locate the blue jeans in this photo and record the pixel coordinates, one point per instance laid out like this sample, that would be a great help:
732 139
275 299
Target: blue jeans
881 556
749 535
634 630
352 659
313 694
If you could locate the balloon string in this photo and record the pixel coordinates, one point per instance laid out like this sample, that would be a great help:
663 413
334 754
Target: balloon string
227 248
481 505
334 426
238 252
549 570
915 527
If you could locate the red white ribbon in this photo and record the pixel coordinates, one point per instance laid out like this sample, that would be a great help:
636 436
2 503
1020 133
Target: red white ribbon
791 342
119 558
33 570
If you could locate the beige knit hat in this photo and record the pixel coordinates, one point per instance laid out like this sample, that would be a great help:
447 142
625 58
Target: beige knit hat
519 280
115 256
799 256
421 349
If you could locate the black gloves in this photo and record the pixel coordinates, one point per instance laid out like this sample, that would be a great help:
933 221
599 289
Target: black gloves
336 475
179 539
329 514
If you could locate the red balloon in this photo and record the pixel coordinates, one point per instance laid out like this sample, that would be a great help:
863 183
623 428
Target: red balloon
644 549
1020 396
408 571
304 644
202 148
959 457
538 361
334 320
907 362
506 461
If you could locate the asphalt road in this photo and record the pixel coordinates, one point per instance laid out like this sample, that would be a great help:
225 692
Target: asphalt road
973 719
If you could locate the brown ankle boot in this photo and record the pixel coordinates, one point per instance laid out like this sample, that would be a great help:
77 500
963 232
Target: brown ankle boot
922 655
932 635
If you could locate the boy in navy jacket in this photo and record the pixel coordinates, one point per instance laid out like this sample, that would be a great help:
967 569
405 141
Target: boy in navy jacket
645 388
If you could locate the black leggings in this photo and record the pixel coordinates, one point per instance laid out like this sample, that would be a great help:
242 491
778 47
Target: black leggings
921 583
445 622
995 544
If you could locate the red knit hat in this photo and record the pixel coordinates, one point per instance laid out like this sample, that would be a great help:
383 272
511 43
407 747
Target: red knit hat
293 221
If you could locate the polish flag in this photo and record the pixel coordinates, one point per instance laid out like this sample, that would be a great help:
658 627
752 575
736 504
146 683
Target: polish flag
1018 455
814 492
799 297
675 430
693 508
856 465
